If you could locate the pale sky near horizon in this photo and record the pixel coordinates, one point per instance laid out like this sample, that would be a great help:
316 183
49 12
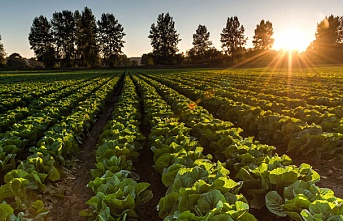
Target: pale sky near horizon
136 16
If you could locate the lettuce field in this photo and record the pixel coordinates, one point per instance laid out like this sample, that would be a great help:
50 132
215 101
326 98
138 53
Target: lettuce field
186 144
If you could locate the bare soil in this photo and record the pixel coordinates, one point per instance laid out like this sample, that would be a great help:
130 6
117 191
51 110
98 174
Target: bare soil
73 186
73 193
144 167
148 211
330 170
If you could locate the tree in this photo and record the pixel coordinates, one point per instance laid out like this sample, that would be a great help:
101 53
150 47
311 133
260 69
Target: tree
49 58
110 38
328 45
329 33
201 44
232 37
87 38
78 36
164 39
263 36
2 54
147 59
214 56
211 56
40 37
33 63
16 61
134 63
64 29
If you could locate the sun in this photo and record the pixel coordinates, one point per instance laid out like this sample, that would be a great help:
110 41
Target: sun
291 39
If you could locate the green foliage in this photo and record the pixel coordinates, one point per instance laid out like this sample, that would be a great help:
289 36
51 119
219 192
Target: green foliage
241 174
201 45
2 54
64 32
117 195
327 45
263 36
74 39
25 180
5 211
164 39
198 188
15 61
87 38
232 37
116 192
264 175
110 38
329 32
40 37
304 201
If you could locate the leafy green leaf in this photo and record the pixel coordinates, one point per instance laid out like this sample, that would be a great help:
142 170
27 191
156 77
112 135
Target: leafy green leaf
336 218
5 211
307 216
283 177
322 207
54 175
274 203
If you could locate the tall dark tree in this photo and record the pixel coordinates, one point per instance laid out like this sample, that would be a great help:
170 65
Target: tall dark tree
87 38
2 54
329 32
164 39
110 38
64 31
77 53
328 45
232 37
201 44
40 37
263 36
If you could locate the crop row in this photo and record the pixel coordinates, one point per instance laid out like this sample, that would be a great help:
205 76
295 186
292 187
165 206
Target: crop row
117 192
329 118
320 89
28 131
211 171
22 93
268 179
51 99
21 194
198 189
299 138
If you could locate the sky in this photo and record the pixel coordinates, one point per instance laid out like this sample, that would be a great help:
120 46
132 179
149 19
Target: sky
136 16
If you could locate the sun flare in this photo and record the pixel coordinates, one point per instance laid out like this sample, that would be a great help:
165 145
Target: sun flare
291 39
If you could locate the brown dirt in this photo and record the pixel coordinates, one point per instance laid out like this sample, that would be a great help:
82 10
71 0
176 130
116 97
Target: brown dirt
330 170
148 211
75 193
144 167
73 184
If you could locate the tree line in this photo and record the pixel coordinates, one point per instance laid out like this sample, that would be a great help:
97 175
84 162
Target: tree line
76 39
164 39
328 44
